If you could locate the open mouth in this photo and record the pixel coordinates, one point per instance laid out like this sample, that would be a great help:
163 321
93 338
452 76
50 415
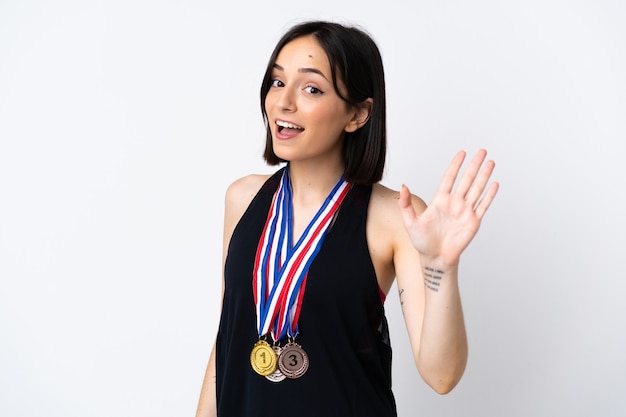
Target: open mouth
286 127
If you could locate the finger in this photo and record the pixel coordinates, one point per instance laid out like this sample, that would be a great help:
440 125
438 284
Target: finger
406 208
468 177
484 204
449 177
480 183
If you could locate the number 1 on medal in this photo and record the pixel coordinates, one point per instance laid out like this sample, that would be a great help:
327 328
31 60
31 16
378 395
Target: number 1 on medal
263 358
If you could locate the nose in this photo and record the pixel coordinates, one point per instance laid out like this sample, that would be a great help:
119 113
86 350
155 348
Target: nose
286 100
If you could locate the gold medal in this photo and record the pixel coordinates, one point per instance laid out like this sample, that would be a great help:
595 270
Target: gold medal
293 361
263 358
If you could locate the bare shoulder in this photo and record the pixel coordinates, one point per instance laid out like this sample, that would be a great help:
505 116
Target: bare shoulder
240 192
386 235
246 187
239 195
384 203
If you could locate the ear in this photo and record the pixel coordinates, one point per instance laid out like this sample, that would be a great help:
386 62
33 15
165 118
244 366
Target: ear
362 112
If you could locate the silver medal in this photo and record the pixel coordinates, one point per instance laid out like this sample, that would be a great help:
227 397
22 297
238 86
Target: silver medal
277 375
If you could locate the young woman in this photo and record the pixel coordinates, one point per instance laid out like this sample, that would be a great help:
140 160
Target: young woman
311 251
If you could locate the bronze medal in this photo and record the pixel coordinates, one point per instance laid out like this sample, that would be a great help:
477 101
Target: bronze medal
263 358
276 376
293 361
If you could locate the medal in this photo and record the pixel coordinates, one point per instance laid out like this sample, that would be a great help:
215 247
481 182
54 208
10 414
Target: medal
293 361
263 358
277 375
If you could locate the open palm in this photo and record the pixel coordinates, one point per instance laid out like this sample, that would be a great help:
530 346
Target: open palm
451 221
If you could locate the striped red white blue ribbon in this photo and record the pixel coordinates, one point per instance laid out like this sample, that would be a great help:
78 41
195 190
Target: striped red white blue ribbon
280 268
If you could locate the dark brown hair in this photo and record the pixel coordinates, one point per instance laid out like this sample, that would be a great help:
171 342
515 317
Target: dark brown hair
355 59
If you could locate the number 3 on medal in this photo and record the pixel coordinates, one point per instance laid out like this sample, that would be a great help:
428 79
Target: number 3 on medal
294 360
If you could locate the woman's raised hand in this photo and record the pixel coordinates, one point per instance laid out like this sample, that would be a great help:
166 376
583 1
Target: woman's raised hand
451 221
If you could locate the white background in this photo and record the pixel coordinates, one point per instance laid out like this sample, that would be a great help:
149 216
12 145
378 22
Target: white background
123 122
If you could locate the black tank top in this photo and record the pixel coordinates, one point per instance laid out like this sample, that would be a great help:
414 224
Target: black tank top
342 325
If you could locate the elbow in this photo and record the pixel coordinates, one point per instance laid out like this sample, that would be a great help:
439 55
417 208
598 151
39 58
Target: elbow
443 381
443 387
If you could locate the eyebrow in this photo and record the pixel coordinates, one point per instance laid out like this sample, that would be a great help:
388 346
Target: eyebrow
304 70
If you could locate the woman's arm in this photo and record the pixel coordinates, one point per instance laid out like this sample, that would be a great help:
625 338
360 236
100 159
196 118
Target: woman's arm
238 197
426 261
207 406
433 315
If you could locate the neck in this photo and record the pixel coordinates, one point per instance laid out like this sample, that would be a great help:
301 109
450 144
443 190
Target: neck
313 182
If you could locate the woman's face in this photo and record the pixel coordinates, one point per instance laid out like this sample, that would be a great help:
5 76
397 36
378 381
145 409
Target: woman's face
307 117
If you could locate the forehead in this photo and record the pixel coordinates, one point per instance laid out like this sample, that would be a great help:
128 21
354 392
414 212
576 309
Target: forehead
301 52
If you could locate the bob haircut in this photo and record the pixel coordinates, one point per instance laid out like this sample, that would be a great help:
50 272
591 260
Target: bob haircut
355 60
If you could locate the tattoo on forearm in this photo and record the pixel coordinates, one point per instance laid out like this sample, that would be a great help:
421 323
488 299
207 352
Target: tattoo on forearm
432 278
400 295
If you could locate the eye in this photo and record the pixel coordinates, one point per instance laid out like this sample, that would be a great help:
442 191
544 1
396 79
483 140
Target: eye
313 90
277 83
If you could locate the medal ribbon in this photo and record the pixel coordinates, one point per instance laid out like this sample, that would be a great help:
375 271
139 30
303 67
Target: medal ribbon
280 268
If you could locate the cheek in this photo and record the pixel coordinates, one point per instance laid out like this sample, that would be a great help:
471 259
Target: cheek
336 117
270 100
330 114
267 102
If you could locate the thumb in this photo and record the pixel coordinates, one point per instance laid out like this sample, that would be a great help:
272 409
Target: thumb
406 208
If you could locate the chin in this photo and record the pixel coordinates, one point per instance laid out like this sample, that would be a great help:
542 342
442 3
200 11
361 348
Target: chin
282 154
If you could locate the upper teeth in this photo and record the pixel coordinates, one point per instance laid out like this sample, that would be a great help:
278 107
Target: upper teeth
287 125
